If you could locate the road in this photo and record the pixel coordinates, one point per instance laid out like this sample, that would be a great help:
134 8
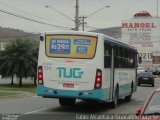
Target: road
37 108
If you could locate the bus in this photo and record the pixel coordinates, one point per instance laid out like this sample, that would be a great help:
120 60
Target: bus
85 65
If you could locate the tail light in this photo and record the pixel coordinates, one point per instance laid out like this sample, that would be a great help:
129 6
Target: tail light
98 79
40 75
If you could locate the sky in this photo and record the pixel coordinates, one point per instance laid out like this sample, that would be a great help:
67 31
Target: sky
35 10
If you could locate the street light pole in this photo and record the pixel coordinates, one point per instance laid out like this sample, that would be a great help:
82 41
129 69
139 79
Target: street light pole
77 22
47 6
98 11
77 18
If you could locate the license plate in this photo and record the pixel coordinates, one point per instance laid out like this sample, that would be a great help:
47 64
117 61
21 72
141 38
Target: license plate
68 85
145 78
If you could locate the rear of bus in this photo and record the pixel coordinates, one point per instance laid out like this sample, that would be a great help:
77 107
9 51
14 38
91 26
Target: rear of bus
70 66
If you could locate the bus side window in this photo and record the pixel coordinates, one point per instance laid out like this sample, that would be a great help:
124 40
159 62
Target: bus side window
118 57
132 59
107 55
127 58
116 54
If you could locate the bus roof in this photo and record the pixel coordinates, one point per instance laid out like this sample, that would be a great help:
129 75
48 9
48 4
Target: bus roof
70 33
114 41
109 39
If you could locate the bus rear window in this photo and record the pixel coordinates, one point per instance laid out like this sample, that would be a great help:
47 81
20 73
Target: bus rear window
71 46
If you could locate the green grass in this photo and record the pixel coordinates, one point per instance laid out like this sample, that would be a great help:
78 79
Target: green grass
8 89
7 93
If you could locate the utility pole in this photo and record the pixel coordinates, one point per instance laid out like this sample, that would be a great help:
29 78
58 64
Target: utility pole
84 17
157 8
83 23
77 16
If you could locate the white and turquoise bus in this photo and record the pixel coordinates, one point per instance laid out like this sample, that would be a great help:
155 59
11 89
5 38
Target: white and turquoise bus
87 66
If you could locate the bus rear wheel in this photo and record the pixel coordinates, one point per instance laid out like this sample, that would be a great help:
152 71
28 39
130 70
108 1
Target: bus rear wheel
129 97
114 103
67 101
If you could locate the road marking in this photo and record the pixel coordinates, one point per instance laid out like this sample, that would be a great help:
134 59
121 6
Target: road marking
35 111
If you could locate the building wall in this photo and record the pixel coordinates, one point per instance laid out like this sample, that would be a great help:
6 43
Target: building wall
2 45
156 59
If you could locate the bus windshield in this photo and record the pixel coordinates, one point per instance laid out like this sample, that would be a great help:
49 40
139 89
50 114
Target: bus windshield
70 46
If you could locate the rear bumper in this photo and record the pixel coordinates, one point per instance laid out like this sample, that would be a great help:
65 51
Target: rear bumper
99 94
145 81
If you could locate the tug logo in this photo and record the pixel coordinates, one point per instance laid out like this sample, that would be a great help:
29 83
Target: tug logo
70 73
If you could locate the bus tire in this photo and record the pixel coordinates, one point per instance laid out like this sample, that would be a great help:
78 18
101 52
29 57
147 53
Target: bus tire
129 97
114 103
67 101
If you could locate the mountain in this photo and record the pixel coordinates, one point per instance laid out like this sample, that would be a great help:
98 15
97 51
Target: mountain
115 32
10 34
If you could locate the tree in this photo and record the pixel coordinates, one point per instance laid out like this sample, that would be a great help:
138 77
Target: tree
20 59
5 70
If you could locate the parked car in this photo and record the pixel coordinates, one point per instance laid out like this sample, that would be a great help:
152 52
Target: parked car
151 107
139 70
146 78
158 71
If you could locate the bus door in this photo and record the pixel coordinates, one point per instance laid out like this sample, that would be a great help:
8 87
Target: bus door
112 74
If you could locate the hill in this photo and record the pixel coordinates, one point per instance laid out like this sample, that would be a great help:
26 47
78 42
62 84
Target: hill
114 32
10 34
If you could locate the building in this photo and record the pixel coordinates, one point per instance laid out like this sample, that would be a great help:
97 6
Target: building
143 32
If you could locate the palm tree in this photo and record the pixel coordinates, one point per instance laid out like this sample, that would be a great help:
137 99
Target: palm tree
34 64
18 59
4 65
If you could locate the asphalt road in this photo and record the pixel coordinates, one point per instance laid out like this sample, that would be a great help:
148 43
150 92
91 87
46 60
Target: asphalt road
37 108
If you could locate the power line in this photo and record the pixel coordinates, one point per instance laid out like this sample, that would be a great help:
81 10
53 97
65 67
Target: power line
29 19
76 21
101 29
23 11
83 18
